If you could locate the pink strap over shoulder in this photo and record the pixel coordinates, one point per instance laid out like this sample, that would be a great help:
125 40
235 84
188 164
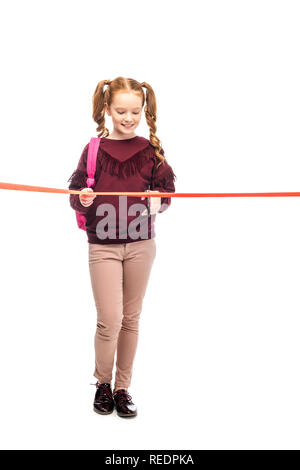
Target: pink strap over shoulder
92 159
91 168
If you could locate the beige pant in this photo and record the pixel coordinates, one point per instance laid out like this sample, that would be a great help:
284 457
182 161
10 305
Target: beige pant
119 276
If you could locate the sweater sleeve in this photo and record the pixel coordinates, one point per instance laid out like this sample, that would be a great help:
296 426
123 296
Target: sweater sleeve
163 181
78 182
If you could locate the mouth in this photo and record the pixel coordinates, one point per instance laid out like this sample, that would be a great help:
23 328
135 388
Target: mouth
127 126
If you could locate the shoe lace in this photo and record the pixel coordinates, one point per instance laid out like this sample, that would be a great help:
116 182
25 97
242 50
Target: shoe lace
122 396
103 392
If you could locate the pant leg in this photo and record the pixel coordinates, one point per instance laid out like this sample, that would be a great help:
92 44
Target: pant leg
138 261
106 272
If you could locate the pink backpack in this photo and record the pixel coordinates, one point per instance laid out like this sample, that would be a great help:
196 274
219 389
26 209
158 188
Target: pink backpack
91 168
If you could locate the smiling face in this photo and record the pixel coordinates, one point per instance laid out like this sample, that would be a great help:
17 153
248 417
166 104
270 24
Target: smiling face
126 112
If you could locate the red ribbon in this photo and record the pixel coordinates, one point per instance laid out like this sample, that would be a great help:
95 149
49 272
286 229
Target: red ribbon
42 189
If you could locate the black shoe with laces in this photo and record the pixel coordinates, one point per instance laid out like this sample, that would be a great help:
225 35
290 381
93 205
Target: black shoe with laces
103 402
124 405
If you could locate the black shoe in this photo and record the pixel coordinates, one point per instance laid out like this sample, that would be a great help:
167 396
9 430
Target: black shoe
124 406
103 402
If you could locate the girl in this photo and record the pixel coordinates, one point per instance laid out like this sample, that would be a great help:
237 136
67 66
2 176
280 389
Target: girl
120 259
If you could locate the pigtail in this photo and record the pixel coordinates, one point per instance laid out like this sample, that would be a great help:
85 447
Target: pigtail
99 108
150 114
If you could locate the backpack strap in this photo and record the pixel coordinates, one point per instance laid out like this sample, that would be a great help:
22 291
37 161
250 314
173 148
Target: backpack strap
92 159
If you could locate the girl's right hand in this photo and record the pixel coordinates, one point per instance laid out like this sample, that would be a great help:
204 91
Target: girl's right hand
85 199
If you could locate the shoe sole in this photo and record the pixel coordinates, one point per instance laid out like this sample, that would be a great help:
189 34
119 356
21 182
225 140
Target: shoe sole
103 412
125 415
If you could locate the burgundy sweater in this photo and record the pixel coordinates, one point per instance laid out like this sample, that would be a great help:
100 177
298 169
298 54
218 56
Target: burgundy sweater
122 165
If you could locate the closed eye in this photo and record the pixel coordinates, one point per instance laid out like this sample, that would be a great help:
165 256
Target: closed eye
123 113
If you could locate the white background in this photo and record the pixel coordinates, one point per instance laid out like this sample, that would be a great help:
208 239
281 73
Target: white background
217 364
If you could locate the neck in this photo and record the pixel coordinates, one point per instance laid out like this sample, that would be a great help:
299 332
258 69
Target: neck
119 136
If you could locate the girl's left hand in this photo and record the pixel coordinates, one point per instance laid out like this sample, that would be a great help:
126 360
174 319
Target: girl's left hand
155 203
